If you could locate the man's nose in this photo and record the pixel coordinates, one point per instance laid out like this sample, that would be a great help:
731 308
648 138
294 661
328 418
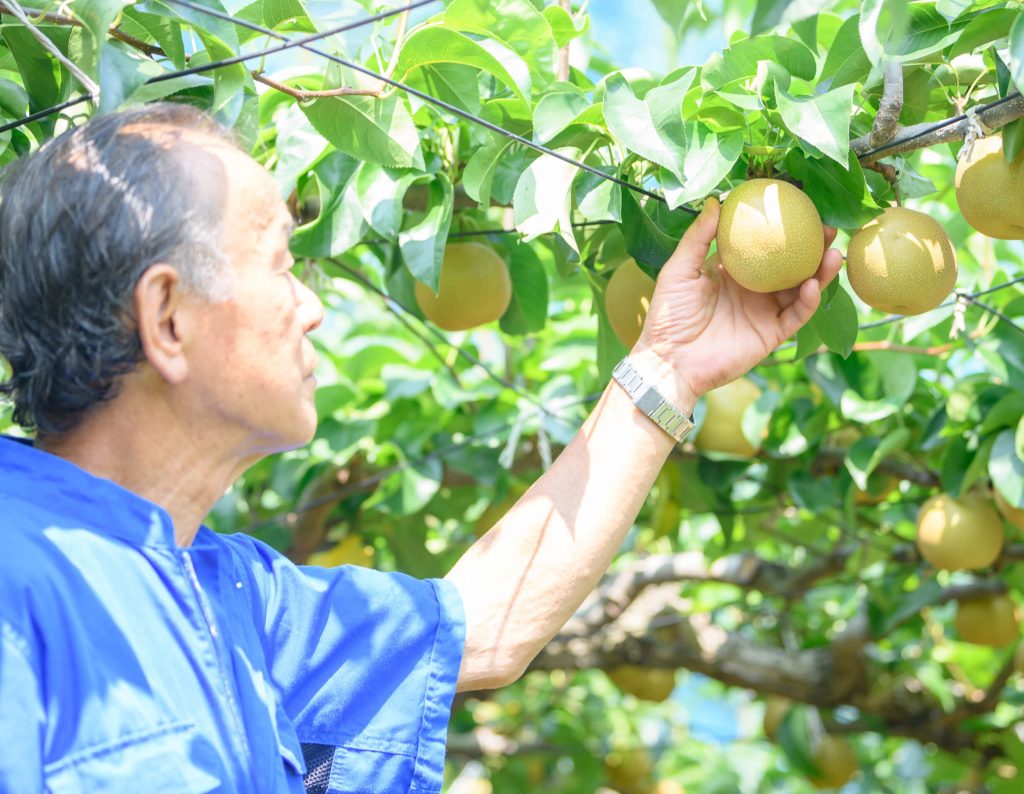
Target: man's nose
311 309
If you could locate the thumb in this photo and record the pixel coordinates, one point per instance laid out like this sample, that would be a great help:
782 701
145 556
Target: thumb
688 258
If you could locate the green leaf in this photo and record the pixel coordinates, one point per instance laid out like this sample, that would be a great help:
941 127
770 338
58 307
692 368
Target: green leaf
889 16
562 25
431 45
298 147
13 99
599 199
887 616
96 16
557 110
482 166
840 194
527 313
823 120
767 14
120 75
39 71
927 32
984 28
846 61
645 242
653 128
865 455
543 197
794 738
1006 468
339 226
516 23
1013 139
380 192
707 159
165 31
369 128
422 244
1016 63
836 323
954 466
453 83
740 60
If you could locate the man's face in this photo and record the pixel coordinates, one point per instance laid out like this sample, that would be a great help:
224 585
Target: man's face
251 361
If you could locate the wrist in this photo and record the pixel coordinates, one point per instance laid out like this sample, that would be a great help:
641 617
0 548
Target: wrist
672 384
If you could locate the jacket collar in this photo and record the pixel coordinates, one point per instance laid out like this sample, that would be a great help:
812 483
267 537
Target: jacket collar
66 491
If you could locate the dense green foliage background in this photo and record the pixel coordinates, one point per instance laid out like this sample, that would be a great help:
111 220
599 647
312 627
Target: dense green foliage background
422 431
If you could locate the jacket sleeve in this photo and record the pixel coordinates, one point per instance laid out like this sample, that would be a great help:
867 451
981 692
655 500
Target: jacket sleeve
21 716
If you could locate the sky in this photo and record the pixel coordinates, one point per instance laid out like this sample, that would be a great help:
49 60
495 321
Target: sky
634 34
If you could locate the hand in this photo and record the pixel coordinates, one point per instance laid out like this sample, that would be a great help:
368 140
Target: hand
704 330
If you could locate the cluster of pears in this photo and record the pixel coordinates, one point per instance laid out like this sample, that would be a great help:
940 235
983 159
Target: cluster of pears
966 534
770 238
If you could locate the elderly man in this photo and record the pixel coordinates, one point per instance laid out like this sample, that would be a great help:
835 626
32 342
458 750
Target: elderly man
158 346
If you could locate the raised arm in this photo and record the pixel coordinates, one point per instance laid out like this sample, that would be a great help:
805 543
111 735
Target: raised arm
525 578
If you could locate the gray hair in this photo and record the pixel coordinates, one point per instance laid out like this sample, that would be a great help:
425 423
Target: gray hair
81 220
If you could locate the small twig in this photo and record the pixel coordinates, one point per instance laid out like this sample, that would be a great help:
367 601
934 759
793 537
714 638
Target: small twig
562 71
972 299
403 24
887 121
87 83
303 95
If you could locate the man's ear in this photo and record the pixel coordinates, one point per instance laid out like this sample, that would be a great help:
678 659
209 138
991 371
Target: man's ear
163 321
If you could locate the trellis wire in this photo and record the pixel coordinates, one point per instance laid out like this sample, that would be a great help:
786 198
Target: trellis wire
420 95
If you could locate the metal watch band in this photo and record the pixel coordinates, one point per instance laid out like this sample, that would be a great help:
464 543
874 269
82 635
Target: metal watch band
650 401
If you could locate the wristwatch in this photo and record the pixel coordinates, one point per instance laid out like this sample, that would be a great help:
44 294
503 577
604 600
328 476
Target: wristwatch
651 402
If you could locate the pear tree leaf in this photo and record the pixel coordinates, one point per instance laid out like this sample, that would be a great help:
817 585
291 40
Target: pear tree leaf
823 120
543 198
422 243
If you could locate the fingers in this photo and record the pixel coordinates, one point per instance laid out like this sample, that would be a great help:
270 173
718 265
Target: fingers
829 268
793 317
688 258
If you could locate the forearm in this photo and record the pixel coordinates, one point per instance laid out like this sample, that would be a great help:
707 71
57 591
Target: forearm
526 577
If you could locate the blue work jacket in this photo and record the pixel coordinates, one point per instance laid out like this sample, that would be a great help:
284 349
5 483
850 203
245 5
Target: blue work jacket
129 663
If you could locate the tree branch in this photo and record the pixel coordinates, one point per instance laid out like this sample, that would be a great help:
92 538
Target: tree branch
562 70
907 139
303 95
887 121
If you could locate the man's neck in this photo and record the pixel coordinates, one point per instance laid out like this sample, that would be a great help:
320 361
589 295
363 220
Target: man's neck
154 457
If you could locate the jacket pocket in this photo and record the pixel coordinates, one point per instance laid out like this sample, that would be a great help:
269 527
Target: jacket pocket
171 758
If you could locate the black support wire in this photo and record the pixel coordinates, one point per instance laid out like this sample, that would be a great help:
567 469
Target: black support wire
42 114
408 90
302 42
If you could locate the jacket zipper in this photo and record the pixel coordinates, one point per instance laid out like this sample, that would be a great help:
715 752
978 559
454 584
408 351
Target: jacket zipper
212 627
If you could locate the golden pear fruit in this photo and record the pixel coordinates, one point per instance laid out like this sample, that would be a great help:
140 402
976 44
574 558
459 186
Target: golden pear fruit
775 709
349 551
990 191
630 770
959 534
987 620
646 683
1015 515
836 761
626 301
475 288
770 235
722 429
902 262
